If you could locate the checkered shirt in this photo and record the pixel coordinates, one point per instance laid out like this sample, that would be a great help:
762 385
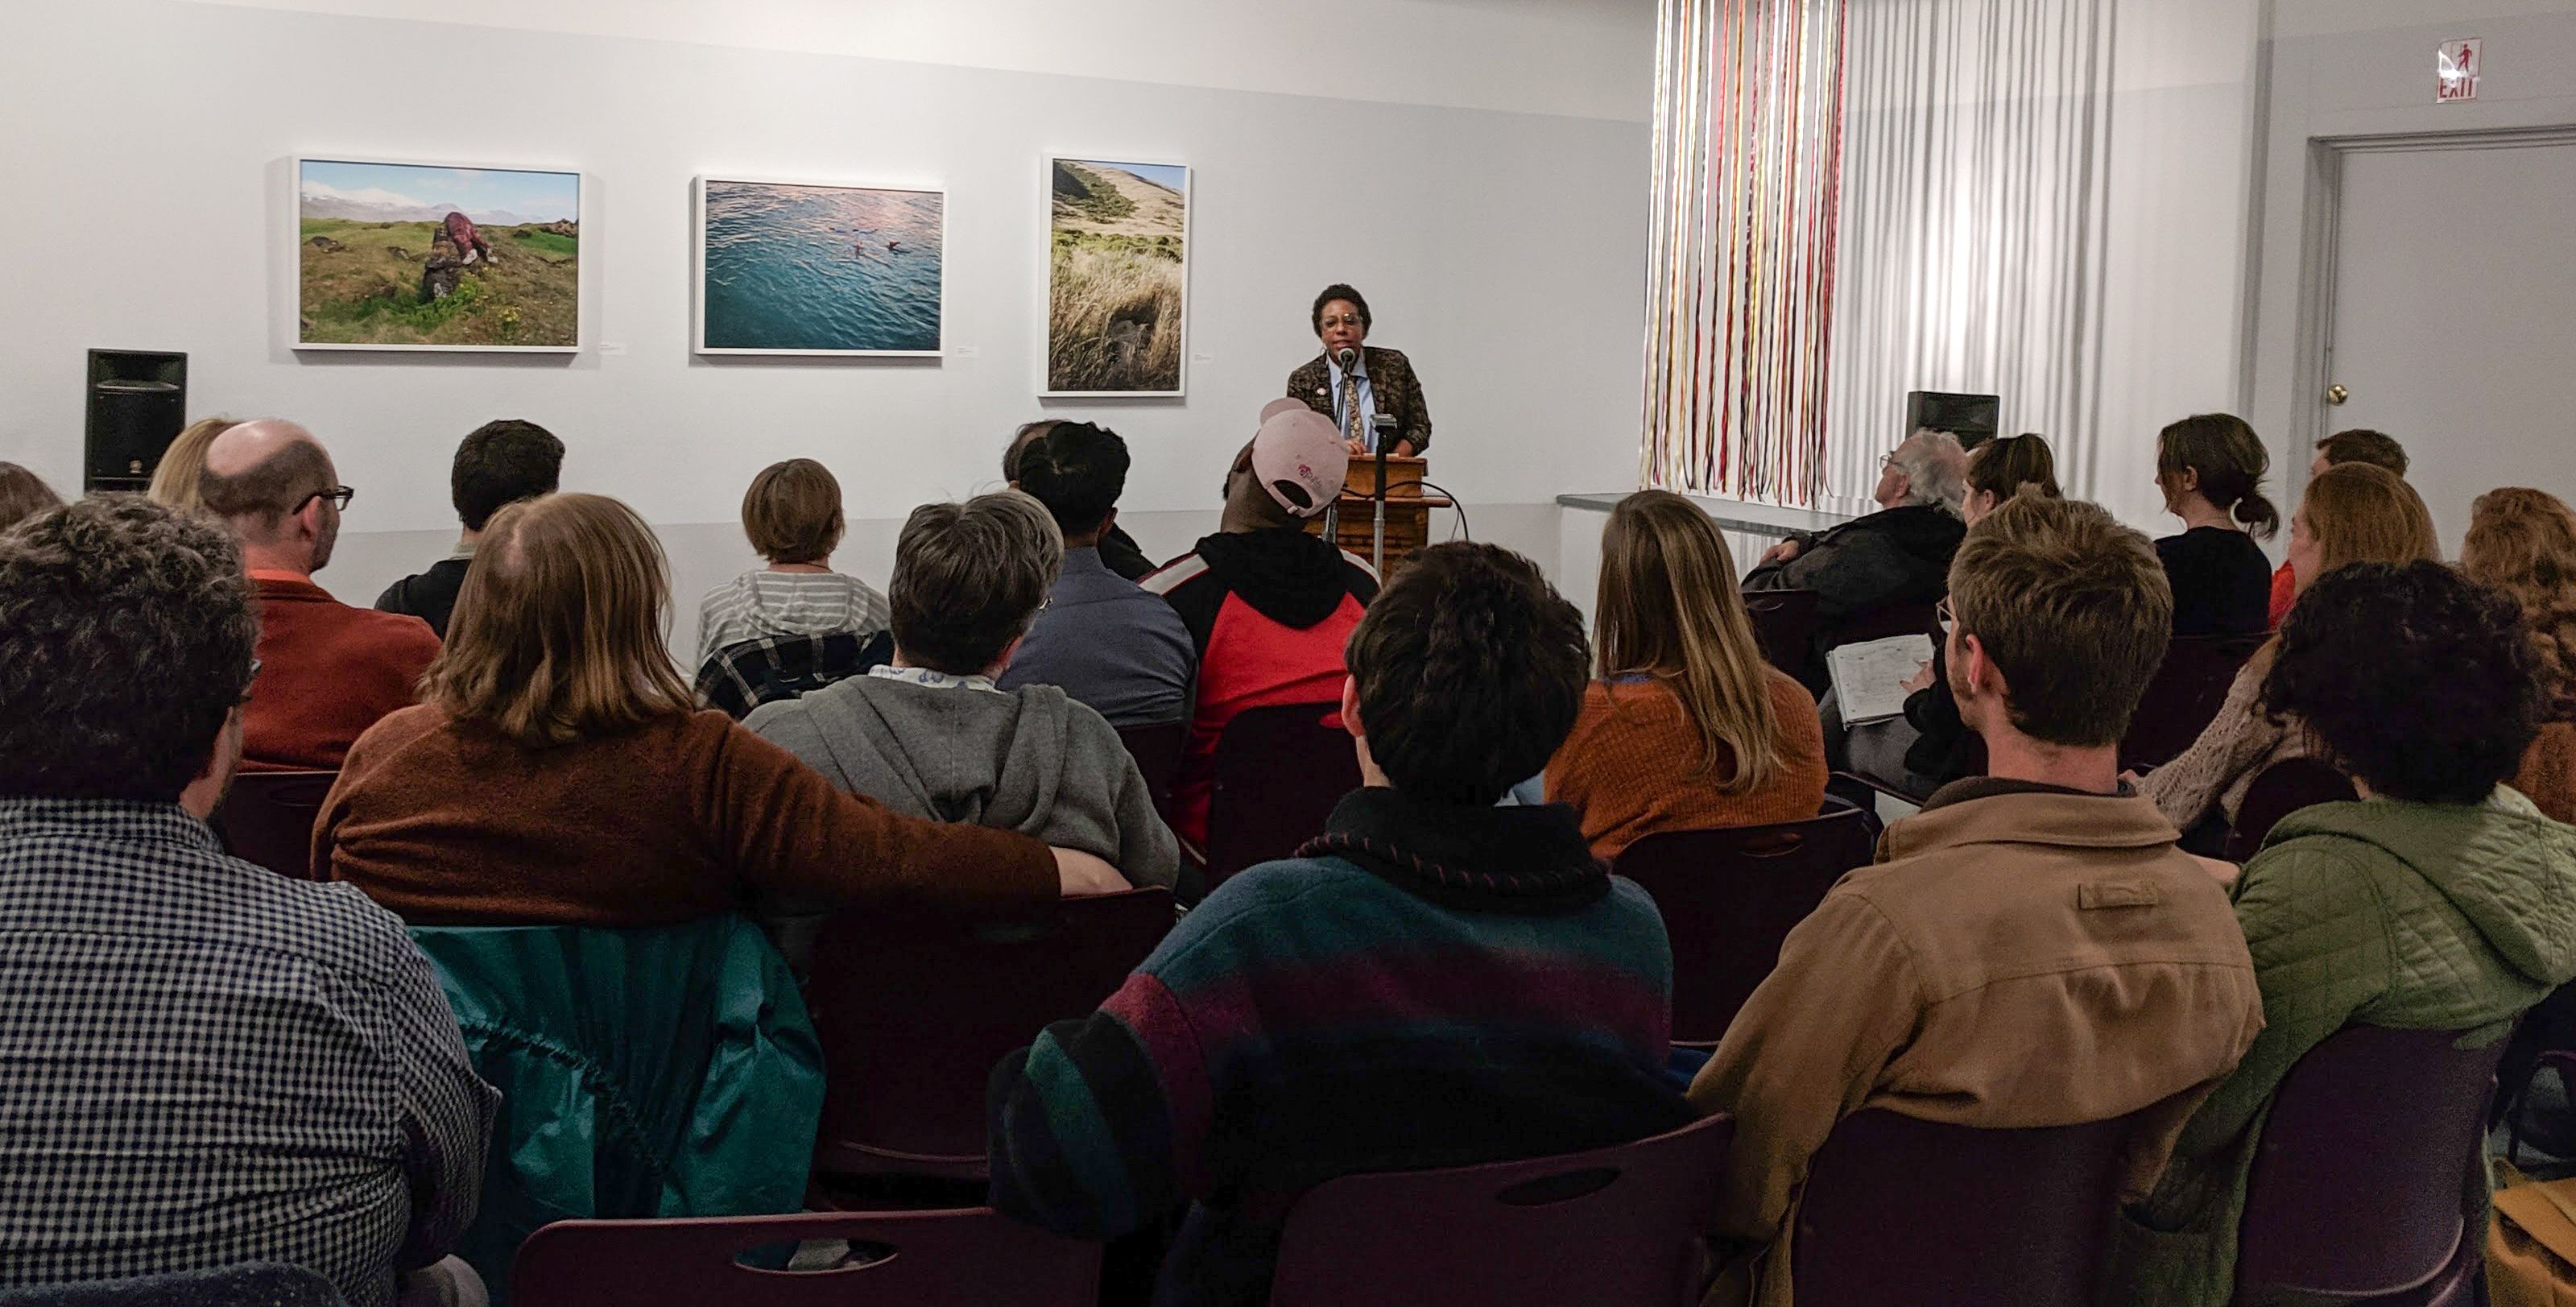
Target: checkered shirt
748 673
203 1063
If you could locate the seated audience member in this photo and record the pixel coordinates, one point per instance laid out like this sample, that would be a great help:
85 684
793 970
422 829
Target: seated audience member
176 480
2522 543
1100 638
1897 555
498 463
932 737
558 771
2353 513
2443 901
2032 950
202 1062
327 671
793 515
2359 445
23 495
1118 550
2211 468
1929 746
1435 981
1688 727
1268 606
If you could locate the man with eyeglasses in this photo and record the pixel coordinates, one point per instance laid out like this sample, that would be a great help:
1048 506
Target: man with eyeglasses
329 670
1374 381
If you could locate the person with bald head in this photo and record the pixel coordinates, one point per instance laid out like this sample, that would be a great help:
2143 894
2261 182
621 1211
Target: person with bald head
327 671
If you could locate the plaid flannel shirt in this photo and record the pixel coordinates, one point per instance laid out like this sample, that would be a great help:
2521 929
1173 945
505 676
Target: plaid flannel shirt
204 1063
744 675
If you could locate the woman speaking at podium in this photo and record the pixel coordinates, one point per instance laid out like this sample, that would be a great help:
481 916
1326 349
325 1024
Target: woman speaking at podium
1352 382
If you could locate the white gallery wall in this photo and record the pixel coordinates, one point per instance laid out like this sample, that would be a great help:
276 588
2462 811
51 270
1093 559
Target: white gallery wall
1502 249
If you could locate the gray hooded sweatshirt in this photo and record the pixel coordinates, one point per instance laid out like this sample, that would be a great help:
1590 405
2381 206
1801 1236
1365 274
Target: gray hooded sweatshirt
1029 760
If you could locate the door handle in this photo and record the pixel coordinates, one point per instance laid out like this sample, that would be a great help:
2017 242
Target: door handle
2336 394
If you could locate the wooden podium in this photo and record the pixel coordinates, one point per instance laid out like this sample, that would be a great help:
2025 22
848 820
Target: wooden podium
1353 517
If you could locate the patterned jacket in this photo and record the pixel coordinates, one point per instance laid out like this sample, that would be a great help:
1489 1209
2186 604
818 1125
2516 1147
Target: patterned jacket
1391 382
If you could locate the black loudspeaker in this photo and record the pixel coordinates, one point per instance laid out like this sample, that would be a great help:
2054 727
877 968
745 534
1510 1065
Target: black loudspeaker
1971 418
138 401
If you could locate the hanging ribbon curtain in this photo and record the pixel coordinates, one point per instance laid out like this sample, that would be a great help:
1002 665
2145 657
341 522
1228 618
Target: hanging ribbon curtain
1741 253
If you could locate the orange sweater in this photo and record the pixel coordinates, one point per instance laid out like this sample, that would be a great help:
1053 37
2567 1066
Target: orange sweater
451 823
327 671
1628 766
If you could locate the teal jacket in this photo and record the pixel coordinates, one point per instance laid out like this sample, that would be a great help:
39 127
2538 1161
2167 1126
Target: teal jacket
666 1071
2409 916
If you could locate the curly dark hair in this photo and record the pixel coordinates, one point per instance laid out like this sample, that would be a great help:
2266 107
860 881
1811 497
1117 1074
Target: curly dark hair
1470 669
1339 291
126 632
2415 679
501 463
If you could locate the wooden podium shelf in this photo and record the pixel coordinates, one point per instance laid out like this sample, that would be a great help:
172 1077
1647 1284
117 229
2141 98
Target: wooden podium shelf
1408 510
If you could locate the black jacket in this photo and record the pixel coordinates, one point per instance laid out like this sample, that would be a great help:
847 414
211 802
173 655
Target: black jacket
1893 556
429 596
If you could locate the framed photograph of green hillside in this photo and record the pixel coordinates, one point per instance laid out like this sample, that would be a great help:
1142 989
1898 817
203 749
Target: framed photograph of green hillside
411 256
1118 278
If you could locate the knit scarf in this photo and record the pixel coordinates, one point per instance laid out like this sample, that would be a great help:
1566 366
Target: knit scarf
1470 857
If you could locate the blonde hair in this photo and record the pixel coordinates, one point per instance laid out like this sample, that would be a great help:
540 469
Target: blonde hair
557 635
2522 542
2362 513
1669 608
180 478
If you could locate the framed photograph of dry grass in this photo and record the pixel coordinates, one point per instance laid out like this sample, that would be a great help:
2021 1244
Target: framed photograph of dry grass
411 256
1118 278
795 268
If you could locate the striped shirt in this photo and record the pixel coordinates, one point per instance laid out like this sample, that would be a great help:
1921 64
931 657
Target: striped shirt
203 1063
762 603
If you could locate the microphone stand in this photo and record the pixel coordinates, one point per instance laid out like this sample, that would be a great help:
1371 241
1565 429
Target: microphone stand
1377 533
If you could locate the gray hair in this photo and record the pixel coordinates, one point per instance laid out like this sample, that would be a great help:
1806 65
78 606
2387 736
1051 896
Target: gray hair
969 579
1935 468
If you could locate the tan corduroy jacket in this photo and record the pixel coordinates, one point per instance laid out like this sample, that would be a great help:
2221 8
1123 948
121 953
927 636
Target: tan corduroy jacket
2021 956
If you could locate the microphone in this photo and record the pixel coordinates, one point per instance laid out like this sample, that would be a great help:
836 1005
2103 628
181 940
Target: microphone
1346 356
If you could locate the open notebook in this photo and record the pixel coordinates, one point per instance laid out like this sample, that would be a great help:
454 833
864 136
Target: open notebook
1870 676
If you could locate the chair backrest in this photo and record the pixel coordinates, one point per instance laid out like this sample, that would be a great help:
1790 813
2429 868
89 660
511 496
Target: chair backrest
1785 623
2279 790
1277 773
254 1284
2184 696
655 1071
914 1008
268 818
1899 1212
1881 622
1157 751
1729 897
1612 1225
968 1258
2359 1185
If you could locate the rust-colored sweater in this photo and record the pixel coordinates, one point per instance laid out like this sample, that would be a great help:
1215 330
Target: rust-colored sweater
327 672
1629 769
451 823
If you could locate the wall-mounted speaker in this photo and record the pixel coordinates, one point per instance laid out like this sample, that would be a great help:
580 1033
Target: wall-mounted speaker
1972 418
138 401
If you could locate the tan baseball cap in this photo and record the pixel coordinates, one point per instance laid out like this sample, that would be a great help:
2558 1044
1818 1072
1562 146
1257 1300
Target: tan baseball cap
1300 459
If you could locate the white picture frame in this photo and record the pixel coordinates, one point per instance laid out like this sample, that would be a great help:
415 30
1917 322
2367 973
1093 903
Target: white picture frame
735 324
361 185
1076 365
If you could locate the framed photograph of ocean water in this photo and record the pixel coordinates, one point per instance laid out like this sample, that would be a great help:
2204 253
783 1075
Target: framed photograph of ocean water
793 268
1118 278
416 256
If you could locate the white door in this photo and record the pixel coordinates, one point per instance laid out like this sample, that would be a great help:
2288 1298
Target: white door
2454 325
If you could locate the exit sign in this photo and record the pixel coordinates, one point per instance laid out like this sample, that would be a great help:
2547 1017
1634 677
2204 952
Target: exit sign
2456 68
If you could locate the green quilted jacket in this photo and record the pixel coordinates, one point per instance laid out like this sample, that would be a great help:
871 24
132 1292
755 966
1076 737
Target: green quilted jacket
2410 916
